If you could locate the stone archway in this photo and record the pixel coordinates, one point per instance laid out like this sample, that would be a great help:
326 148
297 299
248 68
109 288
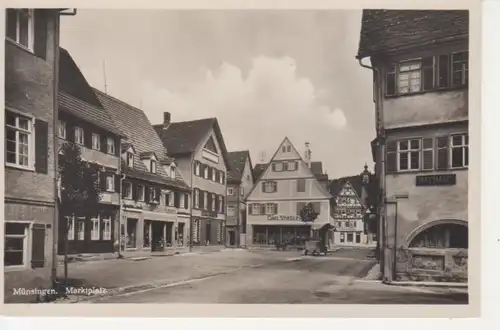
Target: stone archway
440 234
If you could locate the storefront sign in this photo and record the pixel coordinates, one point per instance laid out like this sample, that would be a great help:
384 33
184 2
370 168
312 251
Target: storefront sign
170 210
436 180
212 214
284 217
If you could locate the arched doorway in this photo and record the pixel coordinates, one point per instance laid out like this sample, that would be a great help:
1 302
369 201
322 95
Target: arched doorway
442 235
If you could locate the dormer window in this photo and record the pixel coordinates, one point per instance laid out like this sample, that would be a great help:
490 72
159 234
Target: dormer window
130 159
172 171
153 166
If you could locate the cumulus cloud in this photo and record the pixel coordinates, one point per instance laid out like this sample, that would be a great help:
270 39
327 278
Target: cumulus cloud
255 111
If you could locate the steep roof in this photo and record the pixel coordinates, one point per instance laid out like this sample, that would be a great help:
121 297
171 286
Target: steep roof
317 170
87 112
356 181
183 138
72 81
134 123
237 159
388 31
258 170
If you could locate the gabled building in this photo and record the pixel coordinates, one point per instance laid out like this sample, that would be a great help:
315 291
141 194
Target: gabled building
155 199
202 159
239 183
84 122
352 197
420 65
31 78
281 191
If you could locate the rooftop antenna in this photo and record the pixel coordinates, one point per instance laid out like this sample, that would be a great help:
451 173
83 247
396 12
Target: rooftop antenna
104 71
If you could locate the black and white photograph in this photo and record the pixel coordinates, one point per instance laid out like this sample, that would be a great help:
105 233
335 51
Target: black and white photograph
208 156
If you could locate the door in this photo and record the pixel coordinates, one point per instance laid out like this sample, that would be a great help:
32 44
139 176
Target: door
232 238
208 233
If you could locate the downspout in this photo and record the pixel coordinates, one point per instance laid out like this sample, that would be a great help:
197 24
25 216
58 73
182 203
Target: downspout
191 204
238 217
55 81
379 113
121 247
73 13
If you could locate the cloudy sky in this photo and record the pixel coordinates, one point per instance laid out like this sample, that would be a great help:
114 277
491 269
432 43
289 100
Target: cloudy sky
263 74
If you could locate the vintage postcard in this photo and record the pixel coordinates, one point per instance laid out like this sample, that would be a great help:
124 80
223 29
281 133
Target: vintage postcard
288 159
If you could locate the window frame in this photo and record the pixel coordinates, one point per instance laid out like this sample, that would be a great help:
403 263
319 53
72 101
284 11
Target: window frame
130 159
110 145
82 136
141 193
408 152
31 29
273 184
80 221
26 237
110 179
230 191
409 71
106 235
205 200
96 141
30 132
130 195
93 230
61 129
464 146
255 206
71 228
152 166
196 198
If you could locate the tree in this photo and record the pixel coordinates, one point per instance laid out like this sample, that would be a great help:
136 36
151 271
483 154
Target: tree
79 194
308 214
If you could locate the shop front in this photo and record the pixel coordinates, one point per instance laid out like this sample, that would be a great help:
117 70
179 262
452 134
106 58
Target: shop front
208 229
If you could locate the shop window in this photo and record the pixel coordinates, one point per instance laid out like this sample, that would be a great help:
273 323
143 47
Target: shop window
358 238
95 231
349 238
106 232
442 236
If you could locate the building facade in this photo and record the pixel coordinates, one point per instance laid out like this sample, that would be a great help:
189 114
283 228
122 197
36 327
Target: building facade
239 183
201 155
281 191
155 201
84 122
31 71
422 145
351 200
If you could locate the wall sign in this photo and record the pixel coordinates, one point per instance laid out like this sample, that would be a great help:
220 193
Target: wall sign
284 217
436 180
211 214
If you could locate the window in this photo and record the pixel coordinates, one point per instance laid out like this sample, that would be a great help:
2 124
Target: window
230 191
106 233
130 159
222 177
285 166
110 183
288 148
230 210
96 141
95 232
221 204
172 172
197 198
181 201
71 228
152 195
342 237
214 175
127 190
292 166
153 166
171 198
460 74
459 150
110 145
271 208
428 73
409 76
428 154
255 209
81 229
16 244
301 185
79 138
283 149
21 27
19 140
269 186
409 155
278 167
213 203
205 172
197 168
242 191
61 129
140 193
205 200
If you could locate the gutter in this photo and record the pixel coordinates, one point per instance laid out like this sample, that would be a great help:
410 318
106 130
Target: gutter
72 13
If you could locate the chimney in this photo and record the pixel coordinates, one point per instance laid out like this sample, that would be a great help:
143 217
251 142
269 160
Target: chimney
166 120
308 155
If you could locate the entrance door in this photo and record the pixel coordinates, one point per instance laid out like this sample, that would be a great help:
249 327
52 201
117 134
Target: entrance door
232 238
157 237
208 233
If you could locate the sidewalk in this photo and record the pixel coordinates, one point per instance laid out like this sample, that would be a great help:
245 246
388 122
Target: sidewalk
127 275
455 285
